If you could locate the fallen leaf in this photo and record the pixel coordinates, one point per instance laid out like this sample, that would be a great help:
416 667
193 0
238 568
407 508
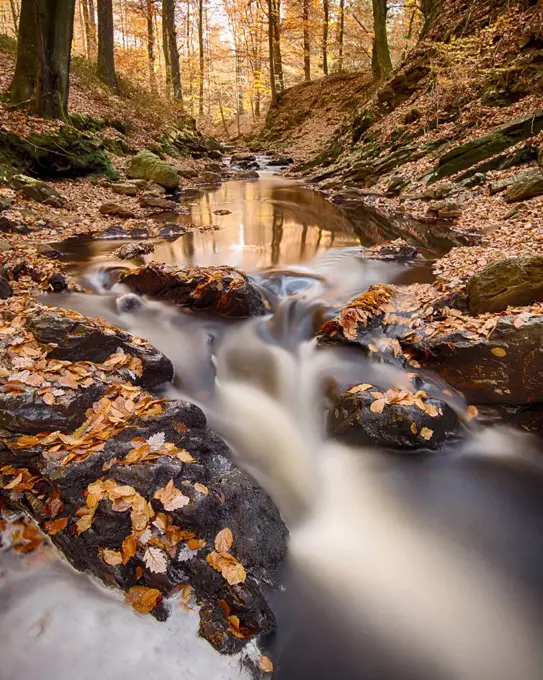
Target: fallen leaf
196 543
414 428
227 565
498 351
156 441
426 433
472 412
170 497
129 547
224 540
155 560
48 398
377 406
184 456
112 557
27 441
201 488
143 599
359 388
265 664
56 525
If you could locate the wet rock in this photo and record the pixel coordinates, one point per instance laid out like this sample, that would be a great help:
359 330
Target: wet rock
58 283
397 250
242 158
221 290
5 288
151 200
406 420
222 211
248 174
280 160
172 231
525 188
129 251
39 191
147 165
514 282
137 537
210 177
77 338
213 167
127 189
504 368
187 173
476 180
116 209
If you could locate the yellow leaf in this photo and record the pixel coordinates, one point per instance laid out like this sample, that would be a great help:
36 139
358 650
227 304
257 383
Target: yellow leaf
414 428
57 525
498 351
224 540
265 664
196 543
431 410
27 441
472 412
129 547
426 433
185 456
377 406
143 599
228 566
85 522
201 488
170 497
112 557
359 388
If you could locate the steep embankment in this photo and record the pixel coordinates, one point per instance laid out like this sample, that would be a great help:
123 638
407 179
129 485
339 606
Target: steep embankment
445 137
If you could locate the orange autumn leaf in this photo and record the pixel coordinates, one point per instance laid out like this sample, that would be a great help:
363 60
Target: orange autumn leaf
56 526
112 557
265 664
224 540
129 547
201 488
196 543
426 433
377 406
170 497
143 599
227 565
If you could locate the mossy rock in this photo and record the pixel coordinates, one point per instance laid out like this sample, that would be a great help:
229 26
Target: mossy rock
86 123
515 281
66 153
147 165
527 187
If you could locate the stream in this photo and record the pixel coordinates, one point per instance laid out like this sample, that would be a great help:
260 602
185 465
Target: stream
411 567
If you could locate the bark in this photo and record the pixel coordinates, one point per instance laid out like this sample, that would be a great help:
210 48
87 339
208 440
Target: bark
14 14
273 84
166 53
173 53
106 53
340 34
83 29
277 44
325 25
151 43
201 55
381 63
41 76
307 44
90 27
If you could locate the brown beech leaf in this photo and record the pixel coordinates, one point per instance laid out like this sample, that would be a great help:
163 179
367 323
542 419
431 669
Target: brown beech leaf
201 488
377 406
143 599
48 398
228 566
498 351
265 664
360 388
155 560
224 540
170 497
112 557
196 543
56 525
414 428
426 433
184 456
129 547
27 441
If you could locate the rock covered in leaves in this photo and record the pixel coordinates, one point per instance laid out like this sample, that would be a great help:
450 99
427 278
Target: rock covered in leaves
511 282
395 419
221 290
144 496
397 250
147 165
116 209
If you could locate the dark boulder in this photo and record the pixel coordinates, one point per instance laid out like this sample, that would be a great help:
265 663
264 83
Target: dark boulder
513 282
5 288
242 158
221 290
395 419
208 177
78 338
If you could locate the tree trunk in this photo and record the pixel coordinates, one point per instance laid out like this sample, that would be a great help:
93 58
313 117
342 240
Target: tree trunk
307 44
201 56
15 15
325 24
43 57
277 45
273 84
151 42
173 53
106 53
380 62
90 27
340 34
84 29
166 53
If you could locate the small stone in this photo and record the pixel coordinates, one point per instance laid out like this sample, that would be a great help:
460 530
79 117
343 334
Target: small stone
116 209
210 177
125 189
525 188
58 283
4 245
151 200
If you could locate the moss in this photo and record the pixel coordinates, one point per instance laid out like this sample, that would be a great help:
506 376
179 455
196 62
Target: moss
86 123
147 165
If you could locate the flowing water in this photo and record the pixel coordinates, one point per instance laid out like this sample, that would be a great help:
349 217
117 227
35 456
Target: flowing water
406 567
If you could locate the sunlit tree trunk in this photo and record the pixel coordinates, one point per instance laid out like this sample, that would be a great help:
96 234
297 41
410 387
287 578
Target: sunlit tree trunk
340 34
325 26
14 14
173 52
166 53
307 44
151 43
380 63
106 48
42 71
201 56
257 74
271 54
87 7
83 29
277 45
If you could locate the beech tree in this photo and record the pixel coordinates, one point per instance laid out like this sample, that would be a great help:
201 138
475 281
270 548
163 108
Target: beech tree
42 71
106 50
307 44
325 25
171 52
380 63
